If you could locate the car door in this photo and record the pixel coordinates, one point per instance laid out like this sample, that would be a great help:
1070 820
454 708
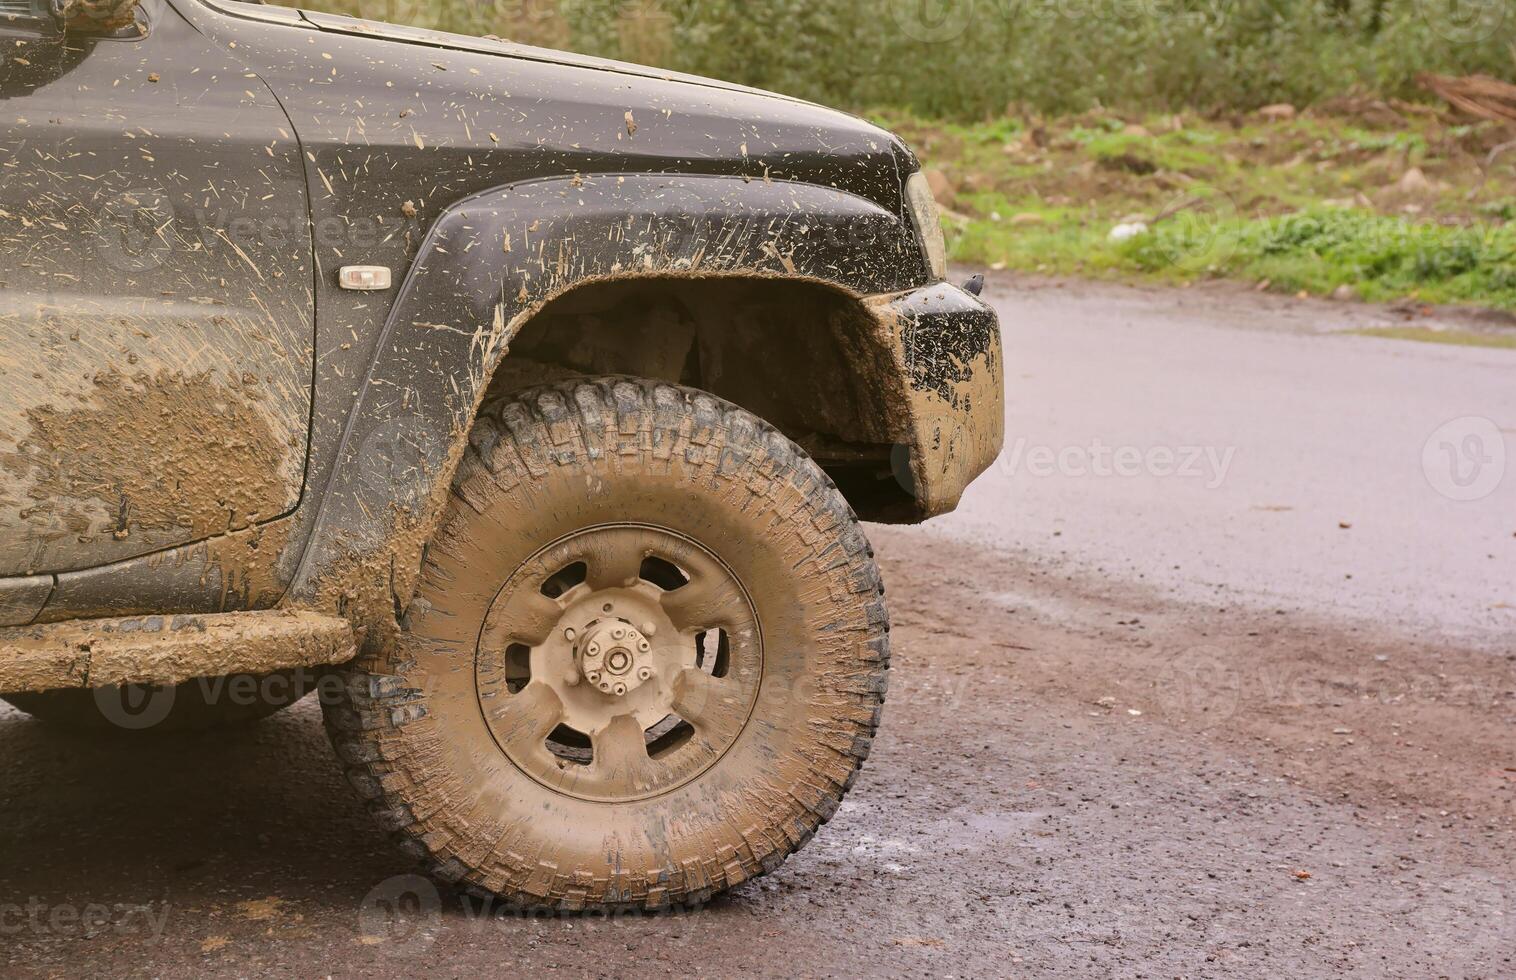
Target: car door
156 320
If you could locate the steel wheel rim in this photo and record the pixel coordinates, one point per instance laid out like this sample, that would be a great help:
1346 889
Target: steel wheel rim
668 688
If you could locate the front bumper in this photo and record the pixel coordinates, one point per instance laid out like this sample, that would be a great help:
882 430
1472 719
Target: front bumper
946 343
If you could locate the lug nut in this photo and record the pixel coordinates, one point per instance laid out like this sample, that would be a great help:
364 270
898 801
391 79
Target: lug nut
643 673
617 633
620 689
594 649
644 646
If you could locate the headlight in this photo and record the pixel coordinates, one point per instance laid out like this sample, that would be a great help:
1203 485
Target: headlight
928 221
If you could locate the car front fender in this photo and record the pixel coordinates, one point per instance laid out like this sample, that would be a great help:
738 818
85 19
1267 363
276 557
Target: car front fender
491 262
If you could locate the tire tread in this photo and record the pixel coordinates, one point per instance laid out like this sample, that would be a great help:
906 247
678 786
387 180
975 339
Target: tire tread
517 439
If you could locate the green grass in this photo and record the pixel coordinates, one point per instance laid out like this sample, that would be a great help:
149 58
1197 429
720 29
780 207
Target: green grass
1315 251
1311 205
1319 250
1456 338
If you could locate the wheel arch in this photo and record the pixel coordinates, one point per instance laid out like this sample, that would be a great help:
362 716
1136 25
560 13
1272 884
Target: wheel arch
805 356
498 263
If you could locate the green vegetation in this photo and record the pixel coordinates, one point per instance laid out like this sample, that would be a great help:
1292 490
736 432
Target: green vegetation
1388 203
971 59
1457 338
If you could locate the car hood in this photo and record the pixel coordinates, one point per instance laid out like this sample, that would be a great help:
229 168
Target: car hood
437 119
803 140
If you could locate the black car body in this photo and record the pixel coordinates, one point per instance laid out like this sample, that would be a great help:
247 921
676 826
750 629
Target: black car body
262 273
178 198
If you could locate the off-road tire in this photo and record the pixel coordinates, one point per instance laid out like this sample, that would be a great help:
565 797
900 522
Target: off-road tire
197 706
550 461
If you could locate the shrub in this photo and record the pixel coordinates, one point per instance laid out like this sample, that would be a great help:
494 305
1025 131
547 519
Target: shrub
971 59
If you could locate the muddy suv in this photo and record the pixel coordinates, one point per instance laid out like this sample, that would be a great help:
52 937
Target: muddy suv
530 401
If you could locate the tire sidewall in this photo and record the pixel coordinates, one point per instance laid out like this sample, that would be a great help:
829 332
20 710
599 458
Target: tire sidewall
761 507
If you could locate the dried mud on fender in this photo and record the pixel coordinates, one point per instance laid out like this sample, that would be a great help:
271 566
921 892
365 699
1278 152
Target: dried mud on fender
124 433
956 395
155 452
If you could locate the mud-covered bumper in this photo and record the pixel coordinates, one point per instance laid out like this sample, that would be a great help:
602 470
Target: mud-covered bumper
947 347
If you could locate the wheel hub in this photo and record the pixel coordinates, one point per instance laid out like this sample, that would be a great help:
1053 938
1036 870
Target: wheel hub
619 662
615 657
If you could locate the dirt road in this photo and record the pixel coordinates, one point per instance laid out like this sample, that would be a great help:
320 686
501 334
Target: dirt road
1139 725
